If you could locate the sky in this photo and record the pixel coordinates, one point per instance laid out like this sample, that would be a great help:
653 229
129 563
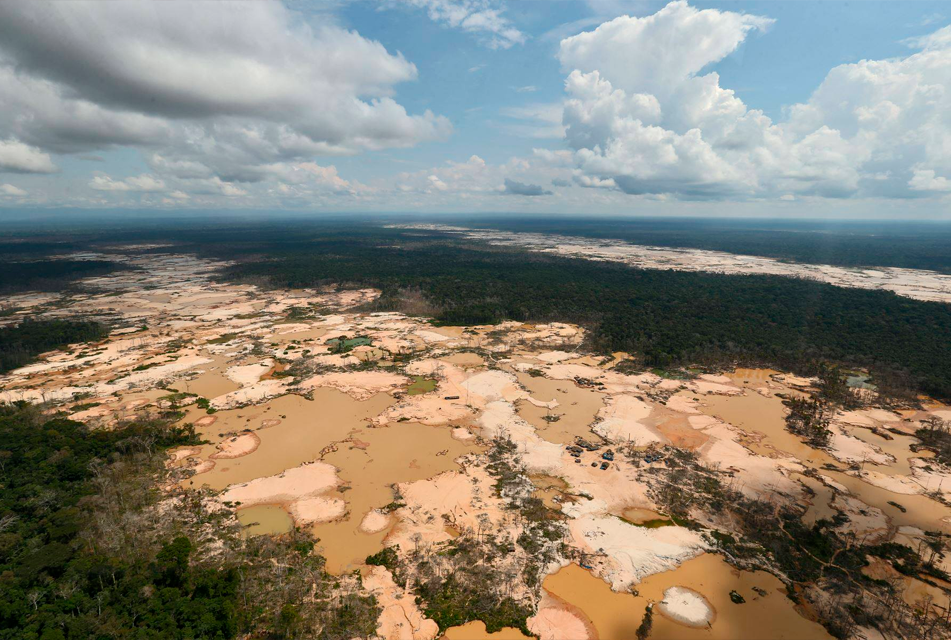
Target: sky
795 109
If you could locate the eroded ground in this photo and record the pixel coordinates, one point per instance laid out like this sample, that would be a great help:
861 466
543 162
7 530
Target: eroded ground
375 430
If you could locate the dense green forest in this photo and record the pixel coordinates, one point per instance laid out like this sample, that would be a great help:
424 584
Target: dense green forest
50 275
908 244
59 581
667 317
20 344
87 552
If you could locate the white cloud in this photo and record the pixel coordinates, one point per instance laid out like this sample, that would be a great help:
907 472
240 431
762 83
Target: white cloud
10 190
143 183
926 180
210 88
17 157
655 53
639 115
481 17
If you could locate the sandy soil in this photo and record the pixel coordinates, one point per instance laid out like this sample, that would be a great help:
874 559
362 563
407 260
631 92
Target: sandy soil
346 452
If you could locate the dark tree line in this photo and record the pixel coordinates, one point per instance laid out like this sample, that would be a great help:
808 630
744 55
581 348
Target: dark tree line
20 344
668 318
50 275
86 550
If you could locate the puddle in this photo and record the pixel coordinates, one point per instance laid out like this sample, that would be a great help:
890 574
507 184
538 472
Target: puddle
264 519
370 465
551 491
754 413
306 429
646 518
618 615
476 631
820 507
421 385
464 359
576 411
213 382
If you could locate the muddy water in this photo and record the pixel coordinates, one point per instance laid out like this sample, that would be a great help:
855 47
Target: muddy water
213 382
307 427
548 489
577 408
617 615
645 517
264 519
464 359
765 416
370 464
898 447
820 506
747 376
914 592
476 631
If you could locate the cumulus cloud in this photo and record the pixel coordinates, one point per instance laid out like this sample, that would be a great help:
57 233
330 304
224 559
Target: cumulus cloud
10 190
641 116
213 90
481 17
143 183
17 157
515 188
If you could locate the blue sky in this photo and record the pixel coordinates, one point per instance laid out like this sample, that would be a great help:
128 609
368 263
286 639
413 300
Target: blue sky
464 97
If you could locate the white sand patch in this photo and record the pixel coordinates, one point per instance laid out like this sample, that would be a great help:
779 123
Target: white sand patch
621 420
896 484
186 452
494 385
237 446
360 385
203 466
855 418
848 448
686 606
431 410
796 381
500 420
305 481
467 498
555 621
317 509
831 482
757 475
462 434
206 421
682 404
713 385
702 421
249 374
400 617
375 521
869 524
430 337
633 553
932 477
249 395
